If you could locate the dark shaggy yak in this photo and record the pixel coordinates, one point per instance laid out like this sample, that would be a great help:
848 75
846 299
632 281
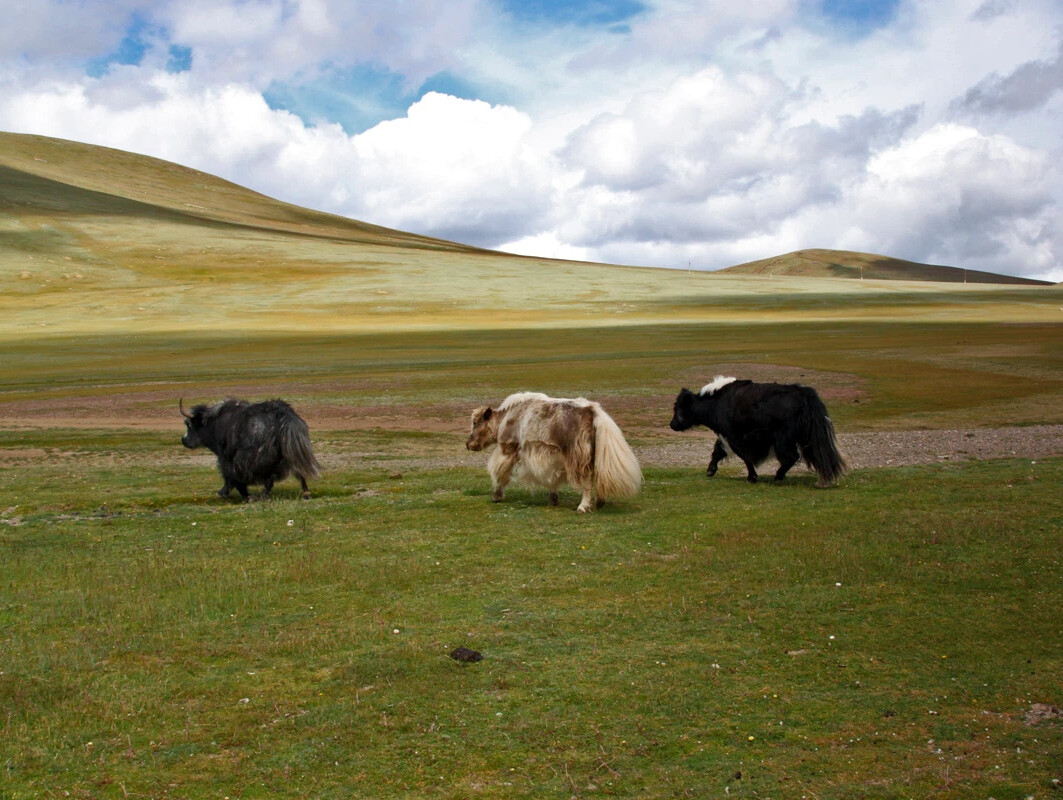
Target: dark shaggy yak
756 420
548 441
256 443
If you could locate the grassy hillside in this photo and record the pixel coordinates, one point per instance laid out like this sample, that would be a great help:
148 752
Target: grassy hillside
97 241
817 263
43 176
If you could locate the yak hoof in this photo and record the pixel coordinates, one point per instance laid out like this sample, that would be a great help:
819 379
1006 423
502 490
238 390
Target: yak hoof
553 498
306 495
710 472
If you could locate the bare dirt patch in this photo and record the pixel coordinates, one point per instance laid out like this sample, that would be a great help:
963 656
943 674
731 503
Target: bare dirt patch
157 410
1042 712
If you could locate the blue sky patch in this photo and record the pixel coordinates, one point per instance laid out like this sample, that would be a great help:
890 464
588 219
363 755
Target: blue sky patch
860 15
584 13
130 50
449 83
180 59
359 97
356 98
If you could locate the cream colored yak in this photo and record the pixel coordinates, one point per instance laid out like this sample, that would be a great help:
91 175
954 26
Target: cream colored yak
546 441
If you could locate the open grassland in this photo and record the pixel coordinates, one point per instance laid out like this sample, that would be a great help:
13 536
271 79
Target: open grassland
338 290
896 637
872 376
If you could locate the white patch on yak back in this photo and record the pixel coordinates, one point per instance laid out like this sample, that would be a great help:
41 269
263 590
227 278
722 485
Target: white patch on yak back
538 397
717 383
522 397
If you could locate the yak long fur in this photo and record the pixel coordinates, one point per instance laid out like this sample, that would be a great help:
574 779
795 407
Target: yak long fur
547 441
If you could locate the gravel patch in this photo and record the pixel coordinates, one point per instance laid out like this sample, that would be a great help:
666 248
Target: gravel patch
899 448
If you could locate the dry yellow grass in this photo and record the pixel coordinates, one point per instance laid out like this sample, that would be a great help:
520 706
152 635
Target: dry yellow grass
98 241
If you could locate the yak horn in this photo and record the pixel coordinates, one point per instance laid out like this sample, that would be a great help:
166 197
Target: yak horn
181 406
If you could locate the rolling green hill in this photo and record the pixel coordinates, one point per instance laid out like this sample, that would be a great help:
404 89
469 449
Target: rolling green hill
100 241
818 263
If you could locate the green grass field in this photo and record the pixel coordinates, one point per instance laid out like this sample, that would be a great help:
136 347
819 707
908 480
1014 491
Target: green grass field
884 639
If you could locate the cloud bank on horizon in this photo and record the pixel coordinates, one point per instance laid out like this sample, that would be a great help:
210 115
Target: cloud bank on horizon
670 133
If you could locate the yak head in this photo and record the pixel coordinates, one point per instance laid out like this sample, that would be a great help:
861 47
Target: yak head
484 428
194 425
683 411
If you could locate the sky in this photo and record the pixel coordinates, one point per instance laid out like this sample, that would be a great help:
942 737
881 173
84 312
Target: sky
670 133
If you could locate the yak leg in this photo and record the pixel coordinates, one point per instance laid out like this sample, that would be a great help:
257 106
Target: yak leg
306 489
242 489
751 471
556 480
719 453
588 501
786 452
500 466
267 489
582 477
224 490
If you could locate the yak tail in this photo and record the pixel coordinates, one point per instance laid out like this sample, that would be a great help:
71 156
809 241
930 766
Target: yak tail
616 469
295 441
821 452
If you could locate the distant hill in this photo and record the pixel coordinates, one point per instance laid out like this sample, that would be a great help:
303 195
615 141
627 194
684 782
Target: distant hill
101 241
847 264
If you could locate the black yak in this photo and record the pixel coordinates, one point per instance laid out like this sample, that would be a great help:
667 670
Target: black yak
256 443
756 420
549 441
